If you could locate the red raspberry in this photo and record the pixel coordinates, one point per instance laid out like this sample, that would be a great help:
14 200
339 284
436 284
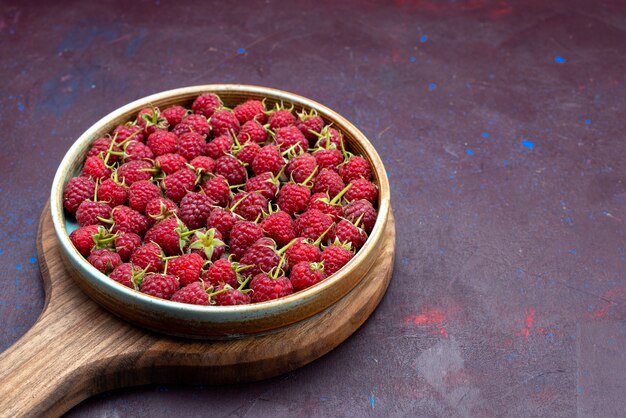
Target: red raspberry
195 209
345 231
126 243
112 193
178 184
127 275
242 235
148 257
231 169
290 136
362 189
167 234
137 151
304 275
268 159
217 189
323 203
129 220
364 210
281 118
356 167
206 164
293 198
208 244
249 110
248 152
252 131
193 294
328 158
222 220
159 285
313 224
301 167
100 148
162 142
335 137
280 227
219 146
174 115
191 145
206 104
82 238
265 184
303 250
140 193
124 132
223 122
76 191
335 257
249 206
186 268
231 297
266 288
104 260
170 163
309 125
89 211
159 209
192 123
133 171
222 271
261 258
328 181
95 168
150 119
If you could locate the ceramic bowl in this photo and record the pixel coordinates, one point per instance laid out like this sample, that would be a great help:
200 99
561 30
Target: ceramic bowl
215 321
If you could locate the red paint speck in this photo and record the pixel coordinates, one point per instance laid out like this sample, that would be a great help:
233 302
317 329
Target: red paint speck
427 317
530 318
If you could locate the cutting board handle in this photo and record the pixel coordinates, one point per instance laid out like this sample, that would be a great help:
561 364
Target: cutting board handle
41 371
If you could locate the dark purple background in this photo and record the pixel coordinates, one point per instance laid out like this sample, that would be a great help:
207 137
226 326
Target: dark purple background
501 125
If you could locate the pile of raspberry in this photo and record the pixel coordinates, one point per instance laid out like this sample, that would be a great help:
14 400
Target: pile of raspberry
219 206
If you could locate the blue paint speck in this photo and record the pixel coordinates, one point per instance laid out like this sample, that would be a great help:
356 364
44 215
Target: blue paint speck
586 285
372 401
587 121
580 391
505 163
528 144
241 51
20 106
18 266
432 86
572 252
29 221
32 260
559 59
610 341
550 335
485 134
423 38
1 252
469 152
413 59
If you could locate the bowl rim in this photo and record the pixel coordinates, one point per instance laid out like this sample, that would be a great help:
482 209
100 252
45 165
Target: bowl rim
298 298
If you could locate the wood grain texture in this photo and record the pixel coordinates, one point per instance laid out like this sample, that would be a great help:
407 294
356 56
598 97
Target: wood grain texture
77 349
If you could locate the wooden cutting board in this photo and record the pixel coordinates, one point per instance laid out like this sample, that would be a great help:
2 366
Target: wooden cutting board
77 349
